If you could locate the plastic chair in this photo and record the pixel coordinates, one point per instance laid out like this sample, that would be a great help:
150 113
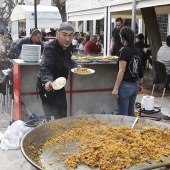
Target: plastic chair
161 77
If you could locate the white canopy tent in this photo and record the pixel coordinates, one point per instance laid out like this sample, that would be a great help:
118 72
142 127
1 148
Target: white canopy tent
47 17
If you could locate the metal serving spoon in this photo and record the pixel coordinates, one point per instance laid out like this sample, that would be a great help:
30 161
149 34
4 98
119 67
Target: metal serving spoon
134 123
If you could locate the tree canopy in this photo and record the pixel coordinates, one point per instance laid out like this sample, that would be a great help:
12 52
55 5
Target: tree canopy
6 10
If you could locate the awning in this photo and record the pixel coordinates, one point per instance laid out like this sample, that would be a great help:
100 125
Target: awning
45 23
125 10
86 17
95 14
21 12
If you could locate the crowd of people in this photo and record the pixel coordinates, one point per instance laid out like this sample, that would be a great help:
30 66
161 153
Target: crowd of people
56 62
82 42
87 43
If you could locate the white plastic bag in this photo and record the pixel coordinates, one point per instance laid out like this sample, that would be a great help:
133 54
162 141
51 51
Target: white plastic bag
13 135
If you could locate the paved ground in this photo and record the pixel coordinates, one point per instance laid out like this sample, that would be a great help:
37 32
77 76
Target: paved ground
14 160
11 159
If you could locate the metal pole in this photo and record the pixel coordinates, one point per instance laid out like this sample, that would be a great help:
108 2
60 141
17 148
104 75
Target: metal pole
133 26
105 31
35 13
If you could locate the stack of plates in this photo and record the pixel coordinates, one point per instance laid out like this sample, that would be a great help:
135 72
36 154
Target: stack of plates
31 53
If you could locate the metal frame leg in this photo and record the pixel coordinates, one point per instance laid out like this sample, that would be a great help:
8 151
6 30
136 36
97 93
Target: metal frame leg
153 88
163 97
2 101
7 96
147 68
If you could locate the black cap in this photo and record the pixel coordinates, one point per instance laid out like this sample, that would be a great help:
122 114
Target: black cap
66 26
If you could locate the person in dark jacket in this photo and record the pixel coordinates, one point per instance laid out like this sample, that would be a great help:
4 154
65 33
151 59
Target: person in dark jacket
56 62
35 38
144 49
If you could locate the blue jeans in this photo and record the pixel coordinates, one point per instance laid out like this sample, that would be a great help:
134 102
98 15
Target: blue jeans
127 93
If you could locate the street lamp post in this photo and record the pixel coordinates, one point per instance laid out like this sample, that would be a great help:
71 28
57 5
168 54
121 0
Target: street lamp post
133 26
35 13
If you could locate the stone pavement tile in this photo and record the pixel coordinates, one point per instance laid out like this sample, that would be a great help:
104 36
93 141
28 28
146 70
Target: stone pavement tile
14 160
11 159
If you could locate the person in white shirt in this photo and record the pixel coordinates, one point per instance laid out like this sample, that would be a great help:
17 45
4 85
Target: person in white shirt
163 55
82 42
75 40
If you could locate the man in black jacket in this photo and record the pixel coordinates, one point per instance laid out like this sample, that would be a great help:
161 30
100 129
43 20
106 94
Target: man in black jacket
56 62
115 44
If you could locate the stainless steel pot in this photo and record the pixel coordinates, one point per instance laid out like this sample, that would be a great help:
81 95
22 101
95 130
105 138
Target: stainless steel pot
39 135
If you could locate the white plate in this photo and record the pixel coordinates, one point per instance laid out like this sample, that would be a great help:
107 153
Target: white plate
30 52
88 61
103 60
30 57
91 71
74 58
114 58
28 48
25 59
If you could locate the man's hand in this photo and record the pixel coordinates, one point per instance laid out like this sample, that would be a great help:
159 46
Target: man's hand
19 57
79 66
48 86
111 49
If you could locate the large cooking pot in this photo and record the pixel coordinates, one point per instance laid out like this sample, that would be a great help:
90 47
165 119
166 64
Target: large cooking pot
39 135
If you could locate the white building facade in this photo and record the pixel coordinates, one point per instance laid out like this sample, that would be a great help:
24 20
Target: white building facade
31 2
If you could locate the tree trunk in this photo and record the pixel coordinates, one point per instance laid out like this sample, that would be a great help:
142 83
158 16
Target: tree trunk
152 28
63 14
60 4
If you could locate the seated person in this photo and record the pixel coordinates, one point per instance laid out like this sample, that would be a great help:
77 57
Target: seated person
81 42
92 46
144 49
75 43
163 56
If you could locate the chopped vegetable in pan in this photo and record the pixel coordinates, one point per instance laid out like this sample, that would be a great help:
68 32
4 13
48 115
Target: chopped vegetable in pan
112 148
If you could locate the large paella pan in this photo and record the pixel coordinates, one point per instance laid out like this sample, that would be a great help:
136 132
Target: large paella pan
44 153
